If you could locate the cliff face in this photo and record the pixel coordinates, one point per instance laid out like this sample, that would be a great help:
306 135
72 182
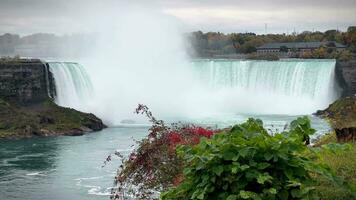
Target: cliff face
26 107
342 117
25 82
346 75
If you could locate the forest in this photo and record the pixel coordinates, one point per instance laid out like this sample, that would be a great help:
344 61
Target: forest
199 44
217 43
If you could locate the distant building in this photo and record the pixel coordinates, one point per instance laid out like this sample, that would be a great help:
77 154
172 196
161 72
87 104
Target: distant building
298 47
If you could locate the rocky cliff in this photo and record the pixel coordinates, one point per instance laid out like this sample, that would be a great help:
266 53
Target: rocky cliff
25 82
342 117
341 114
346 75
27 108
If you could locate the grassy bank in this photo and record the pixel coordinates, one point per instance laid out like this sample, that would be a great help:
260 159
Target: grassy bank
343 163
341 114
44 119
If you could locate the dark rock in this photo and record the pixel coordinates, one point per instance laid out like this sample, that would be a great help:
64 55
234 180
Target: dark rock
77 132
342 116
346 77
25 82
346 134
94 123
46 120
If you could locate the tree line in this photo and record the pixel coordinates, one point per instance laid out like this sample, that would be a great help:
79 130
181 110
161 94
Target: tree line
199 44
217 43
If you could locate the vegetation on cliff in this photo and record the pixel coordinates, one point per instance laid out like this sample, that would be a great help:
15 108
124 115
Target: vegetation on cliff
44 119
341 113
342 116
8 59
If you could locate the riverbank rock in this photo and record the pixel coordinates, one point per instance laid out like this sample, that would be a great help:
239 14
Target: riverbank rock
44 119
342 116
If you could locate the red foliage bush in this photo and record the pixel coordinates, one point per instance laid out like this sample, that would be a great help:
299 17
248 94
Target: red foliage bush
174 138
154 164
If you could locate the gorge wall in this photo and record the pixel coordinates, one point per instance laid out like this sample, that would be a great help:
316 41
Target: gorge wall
27 108
25 82
346 75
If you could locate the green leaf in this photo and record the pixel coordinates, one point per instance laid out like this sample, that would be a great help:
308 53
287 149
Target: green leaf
294 184
283 195
231 197
213 179
263 165
229 155
243 152
218 170
296 193
249 195
261 179
201 195
244 194
234 170
272 191
186 171
244 167
268 156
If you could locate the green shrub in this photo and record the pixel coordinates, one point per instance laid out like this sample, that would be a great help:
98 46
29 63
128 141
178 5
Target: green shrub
248 163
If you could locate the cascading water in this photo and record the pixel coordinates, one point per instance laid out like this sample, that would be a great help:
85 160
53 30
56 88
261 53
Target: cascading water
286 87
281 87
73 85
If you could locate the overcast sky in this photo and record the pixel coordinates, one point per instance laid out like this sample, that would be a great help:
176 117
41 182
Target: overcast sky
74 16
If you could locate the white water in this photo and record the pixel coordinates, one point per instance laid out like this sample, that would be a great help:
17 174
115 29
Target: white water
73 85
290 87
224 87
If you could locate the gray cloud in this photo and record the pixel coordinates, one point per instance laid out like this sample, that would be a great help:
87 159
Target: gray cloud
63 16
262 4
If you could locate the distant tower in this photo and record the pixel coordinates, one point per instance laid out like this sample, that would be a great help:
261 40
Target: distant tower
266 28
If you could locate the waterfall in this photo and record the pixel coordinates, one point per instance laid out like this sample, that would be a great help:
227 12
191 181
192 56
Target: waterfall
307 85
47 80
286 87
73 85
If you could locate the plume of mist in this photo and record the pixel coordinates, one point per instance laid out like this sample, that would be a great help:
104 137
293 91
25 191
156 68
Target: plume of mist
138 57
